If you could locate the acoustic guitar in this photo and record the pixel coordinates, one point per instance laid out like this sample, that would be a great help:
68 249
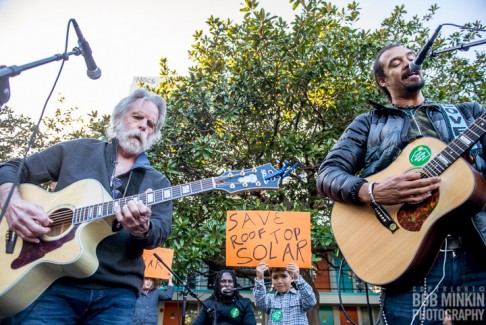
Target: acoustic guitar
83 215
397 245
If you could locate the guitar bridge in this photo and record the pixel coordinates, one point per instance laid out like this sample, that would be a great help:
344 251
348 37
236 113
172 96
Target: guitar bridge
10 240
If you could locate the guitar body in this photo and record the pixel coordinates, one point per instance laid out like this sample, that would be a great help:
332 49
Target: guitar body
396 259
66 251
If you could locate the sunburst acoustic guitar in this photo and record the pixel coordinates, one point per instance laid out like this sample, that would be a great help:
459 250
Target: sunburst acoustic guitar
83 216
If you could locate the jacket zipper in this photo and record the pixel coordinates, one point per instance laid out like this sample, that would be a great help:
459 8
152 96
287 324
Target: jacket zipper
416 123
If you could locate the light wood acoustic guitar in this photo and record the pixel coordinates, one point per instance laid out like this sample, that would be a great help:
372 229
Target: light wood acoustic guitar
397 245
83 216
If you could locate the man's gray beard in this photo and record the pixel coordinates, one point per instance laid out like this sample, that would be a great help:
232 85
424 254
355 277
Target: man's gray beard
131 145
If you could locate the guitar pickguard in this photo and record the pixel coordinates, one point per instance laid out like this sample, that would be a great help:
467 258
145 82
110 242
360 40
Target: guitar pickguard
31 252
412 216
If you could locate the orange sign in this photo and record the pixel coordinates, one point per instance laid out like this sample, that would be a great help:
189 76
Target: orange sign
153 267
274 237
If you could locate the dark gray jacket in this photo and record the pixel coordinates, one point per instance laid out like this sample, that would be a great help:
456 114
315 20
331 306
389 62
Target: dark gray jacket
146 310
120 255
372 142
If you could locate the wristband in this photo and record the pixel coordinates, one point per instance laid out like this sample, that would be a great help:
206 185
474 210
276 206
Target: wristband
370 192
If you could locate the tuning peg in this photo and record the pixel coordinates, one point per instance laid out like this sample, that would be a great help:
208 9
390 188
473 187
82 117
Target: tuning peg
282 171
290 170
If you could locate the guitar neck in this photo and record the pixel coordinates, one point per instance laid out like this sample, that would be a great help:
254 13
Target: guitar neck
101 210
456 148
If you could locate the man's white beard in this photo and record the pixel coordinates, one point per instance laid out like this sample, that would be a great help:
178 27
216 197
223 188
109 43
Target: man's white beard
133 142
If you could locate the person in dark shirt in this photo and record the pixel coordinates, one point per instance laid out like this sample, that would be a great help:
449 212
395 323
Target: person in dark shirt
118 166
226 303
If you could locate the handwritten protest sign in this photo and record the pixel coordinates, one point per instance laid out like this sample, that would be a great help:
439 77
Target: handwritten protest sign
153 267
274 237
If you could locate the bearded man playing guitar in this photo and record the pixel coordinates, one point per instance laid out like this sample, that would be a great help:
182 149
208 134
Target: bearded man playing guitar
107 293
400 215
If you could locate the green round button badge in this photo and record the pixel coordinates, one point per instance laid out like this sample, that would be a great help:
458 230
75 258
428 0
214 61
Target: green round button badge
420 155
235 312
276 315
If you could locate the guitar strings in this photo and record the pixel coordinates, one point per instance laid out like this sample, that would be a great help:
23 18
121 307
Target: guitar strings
64 216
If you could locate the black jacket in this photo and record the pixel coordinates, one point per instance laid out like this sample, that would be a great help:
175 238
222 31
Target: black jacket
237 310
372 142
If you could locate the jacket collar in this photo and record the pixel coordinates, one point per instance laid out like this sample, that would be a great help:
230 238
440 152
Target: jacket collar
292 290
388 107
141 161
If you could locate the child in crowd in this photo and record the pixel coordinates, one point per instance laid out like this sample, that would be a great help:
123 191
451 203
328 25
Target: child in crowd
288 305
146 310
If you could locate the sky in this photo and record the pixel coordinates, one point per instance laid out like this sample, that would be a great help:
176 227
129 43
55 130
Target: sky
128 38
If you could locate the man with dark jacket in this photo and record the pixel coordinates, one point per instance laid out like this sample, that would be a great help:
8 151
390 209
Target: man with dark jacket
370 144
120 167
226 303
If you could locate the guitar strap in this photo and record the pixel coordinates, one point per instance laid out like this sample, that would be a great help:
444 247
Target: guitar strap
456 125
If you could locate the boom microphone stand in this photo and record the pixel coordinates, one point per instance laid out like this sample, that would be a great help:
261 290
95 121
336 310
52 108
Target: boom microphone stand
187 290
7 72
460 47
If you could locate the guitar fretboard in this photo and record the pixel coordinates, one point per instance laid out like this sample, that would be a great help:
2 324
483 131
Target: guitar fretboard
456 148
101 210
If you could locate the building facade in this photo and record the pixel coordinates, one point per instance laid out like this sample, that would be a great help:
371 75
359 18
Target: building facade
334 287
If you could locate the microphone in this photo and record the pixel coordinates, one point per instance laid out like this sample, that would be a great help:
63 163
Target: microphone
93 71
416 65
230 290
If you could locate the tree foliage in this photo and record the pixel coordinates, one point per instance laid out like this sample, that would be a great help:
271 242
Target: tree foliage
17 131
14 133
265 90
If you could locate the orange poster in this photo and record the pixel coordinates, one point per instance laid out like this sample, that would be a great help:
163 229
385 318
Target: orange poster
153 267
274 237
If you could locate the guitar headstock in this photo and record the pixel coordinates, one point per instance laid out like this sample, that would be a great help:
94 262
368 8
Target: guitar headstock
260 178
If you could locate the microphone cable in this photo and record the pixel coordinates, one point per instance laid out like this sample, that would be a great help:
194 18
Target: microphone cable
339 292
34 134
341 304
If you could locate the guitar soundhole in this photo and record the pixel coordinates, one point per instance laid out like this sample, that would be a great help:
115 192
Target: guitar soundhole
412 216
62 219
